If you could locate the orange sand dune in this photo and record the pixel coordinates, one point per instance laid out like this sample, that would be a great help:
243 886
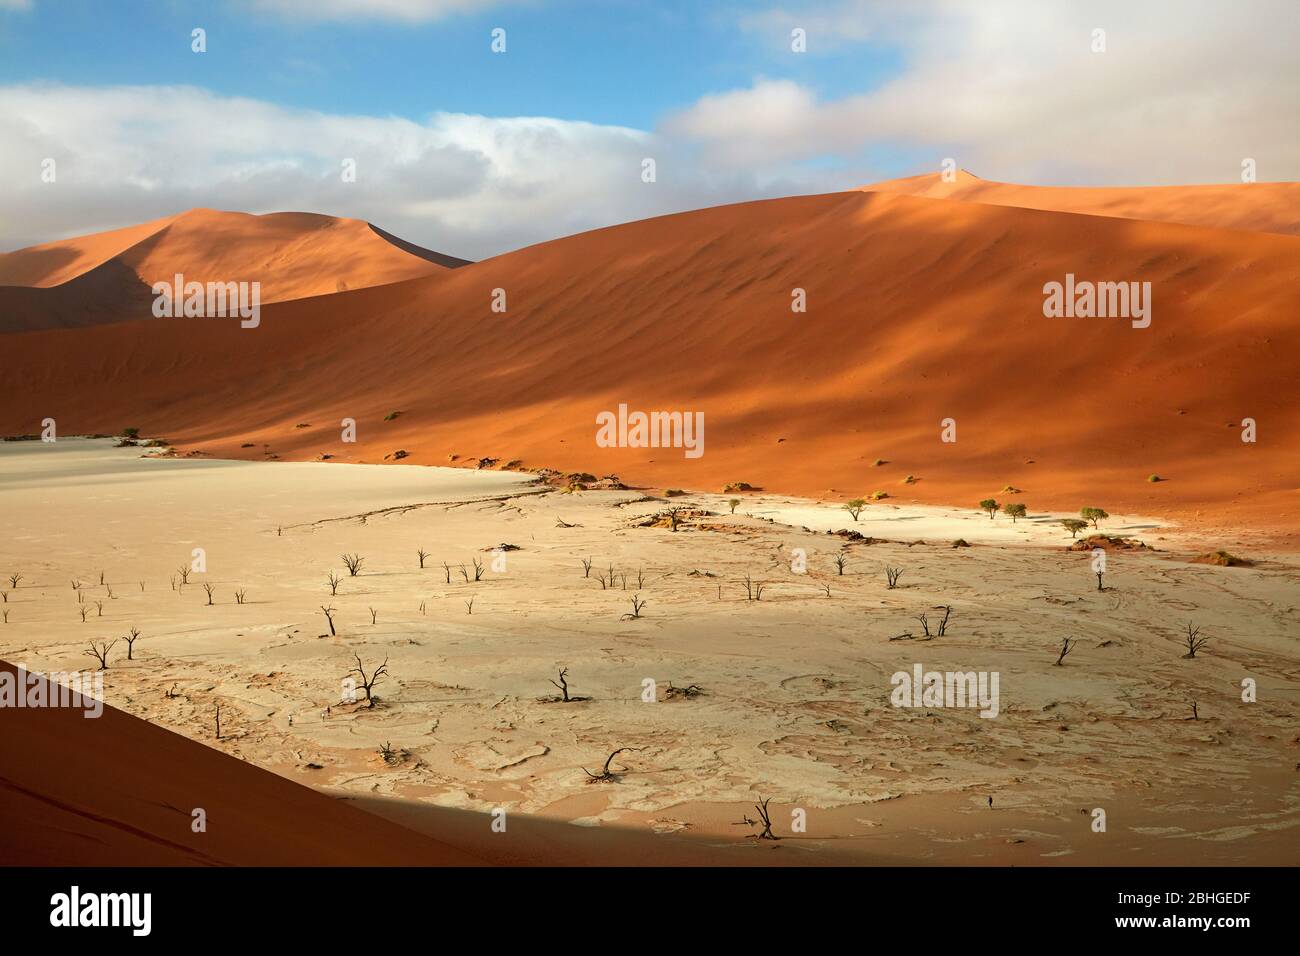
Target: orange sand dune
919 310
1257 207
107 276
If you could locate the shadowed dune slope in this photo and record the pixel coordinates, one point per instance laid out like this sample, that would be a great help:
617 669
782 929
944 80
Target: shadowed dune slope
115 790
1257 207
918 310
107 277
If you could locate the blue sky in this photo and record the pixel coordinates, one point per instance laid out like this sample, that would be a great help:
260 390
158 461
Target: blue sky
617 62
474 153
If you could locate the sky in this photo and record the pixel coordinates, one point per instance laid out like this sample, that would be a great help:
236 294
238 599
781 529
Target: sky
474 152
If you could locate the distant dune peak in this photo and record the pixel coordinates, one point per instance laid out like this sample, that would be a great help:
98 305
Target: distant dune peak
105 277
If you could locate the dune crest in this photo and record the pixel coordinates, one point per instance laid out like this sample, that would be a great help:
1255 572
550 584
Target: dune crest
107 276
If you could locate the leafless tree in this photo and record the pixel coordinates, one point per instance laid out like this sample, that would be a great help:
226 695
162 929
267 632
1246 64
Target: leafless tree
469 606
421 554
674 516
478 569
216 713
924 621
141 587
1196 714
130 643
840 560
637 605
329 616
84 611
761 807
606 773
827 589
368 683
14 579
353 563
947 613
4 597
563 685
387 753
892 575
446 568
640 578
241 596
184 572
100 652
464 573
374 616
586 567
101 578
99 609
208 589
1067 645
334 582
108 589
1193 640
753 590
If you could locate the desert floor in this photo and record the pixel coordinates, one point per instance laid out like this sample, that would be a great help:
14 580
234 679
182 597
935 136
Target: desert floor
795 687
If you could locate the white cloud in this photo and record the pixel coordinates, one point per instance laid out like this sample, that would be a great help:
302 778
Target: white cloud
15 4
466 185
1185 90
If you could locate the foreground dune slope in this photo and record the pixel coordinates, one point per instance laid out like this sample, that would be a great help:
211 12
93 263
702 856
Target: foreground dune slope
918 310
107 277
115 790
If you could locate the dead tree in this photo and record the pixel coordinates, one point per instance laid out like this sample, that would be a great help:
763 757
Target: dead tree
1067 645
606 773
840 560
130 643
374 616
924 621
469 606
827 589
368 683
753 590
640 578
99 609
637 605
14 579
947 613
100 652
329 616
1195 711
478 569
216 713
387 753
353 563
84 611
240 596
446 569
1099 584
761 807
421 554
184 572
334 582
1193 640
892 575
674 516
463 573
563 685
208 588
586 567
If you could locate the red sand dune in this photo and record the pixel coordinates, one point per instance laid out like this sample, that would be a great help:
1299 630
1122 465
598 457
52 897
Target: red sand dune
1257 207
107 276
919 309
